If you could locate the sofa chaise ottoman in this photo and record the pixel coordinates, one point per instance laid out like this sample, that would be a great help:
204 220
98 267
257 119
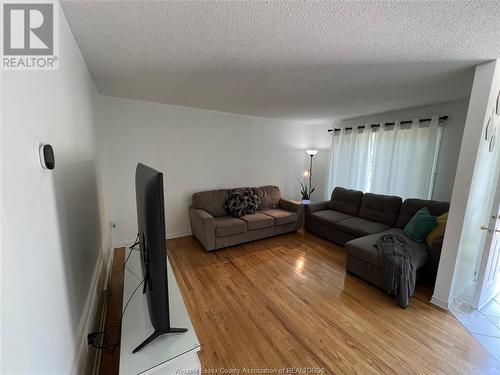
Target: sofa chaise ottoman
356 220
216 229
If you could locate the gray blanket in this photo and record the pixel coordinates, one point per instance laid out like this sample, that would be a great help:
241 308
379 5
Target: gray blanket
398 267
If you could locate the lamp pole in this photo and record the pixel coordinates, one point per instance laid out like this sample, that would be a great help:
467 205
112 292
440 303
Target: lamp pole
311 153
310 172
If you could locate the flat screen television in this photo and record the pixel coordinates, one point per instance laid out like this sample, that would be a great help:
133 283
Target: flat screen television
152 242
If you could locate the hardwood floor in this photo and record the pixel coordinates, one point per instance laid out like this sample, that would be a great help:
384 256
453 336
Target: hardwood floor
110 361
287 302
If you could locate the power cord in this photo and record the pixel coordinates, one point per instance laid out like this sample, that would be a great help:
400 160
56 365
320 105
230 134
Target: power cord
100 340
131 248
130 298
126 260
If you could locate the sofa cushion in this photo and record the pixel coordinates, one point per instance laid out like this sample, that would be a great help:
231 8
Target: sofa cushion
211 201
360 227
346 201
258 220
228 225
281 216
328 217
364 248
380 208
410 207
269 196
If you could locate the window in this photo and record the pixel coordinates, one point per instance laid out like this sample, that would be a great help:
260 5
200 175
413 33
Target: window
396 160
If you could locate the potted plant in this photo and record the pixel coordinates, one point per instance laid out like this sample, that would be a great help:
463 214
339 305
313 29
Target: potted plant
306 193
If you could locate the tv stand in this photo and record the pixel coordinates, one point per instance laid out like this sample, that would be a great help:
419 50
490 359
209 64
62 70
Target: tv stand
170 350
156 334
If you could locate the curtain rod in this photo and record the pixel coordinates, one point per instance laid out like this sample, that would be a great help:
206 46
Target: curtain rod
441 119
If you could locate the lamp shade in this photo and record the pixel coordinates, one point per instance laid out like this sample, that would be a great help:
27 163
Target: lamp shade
312 152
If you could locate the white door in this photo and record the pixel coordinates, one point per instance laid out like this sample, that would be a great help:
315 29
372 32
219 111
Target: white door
477 255
488 275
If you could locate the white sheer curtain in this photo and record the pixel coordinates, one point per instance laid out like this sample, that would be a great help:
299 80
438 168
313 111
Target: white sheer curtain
350 158
396 160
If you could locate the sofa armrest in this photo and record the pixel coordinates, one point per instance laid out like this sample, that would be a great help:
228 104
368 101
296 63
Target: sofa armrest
203 227
433 262
293 206
289 205
318 206
314 207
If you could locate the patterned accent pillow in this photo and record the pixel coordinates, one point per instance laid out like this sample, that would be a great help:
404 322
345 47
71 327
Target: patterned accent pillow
241 201
253 201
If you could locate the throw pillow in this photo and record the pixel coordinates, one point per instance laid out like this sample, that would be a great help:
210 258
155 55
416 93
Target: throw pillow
420 225
241 202
236 203
253 201
438 231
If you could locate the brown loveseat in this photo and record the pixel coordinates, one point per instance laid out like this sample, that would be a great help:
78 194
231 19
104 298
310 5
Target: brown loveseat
215 229
357 220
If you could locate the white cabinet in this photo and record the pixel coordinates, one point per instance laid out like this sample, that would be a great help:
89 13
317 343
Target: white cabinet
169 354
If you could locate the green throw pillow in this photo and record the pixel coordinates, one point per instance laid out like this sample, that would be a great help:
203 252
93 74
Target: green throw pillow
420 225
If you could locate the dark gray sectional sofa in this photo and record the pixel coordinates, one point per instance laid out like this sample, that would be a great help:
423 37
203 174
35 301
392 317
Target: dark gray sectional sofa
356 220
215 229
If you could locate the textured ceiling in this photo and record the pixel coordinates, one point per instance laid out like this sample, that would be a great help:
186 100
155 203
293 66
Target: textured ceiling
308 61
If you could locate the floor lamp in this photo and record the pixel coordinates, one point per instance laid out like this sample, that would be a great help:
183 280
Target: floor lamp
311 153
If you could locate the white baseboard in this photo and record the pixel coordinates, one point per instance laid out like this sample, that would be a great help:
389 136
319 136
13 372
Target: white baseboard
182 233
86 358
440 303
127 243
109 264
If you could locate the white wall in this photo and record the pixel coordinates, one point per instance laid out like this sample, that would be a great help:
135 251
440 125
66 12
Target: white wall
196 150
451 140
50 219
471 192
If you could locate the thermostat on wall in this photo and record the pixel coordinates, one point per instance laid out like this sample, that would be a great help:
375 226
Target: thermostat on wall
47 159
